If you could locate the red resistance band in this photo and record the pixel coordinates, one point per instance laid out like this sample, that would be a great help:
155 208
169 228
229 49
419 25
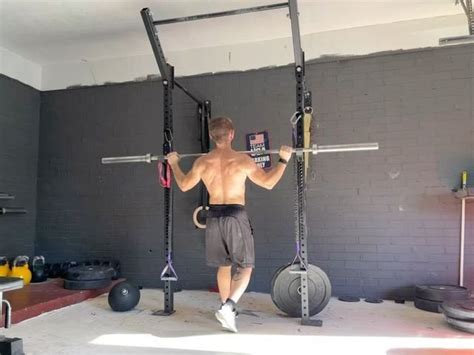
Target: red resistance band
164 174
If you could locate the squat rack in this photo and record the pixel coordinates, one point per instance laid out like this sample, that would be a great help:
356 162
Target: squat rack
303 99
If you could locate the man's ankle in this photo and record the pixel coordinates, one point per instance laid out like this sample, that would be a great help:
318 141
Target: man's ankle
231 303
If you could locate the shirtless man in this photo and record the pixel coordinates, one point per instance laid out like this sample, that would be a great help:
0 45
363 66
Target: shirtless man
229 239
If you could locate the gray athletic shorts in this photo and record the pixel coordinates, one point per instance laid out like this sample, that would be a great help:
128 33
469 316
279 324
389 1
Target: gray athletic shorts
229 238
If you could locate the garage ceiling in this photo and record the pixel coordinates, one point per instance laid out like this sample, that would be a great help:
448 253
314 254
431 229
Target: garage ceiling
48 31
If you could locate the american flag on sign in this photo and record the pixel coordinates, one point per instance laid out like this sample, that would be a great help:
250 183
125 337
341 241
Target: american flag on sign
257 139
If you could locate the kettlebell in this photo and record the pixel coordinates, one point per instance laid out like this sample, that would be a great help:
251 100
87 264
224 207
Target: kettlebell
4 266
37 268
64 267
54 270
20 269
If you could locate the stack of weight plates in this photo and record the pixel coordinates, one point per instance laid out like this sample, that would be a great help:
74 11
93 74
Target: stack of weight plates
88 277
460 314
431 297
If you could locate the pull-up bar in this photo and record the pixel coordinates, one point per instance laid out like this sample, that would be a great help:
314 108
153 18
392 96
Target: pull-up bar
290 4
167 72
221 14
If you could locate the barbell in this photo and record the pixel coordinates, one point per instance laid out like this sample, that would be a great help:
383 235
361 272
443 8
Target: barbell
11 210
315 149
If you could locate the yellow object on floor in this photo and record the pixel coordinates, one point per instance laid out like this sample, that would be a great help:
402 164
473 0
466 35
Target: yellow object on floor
20 269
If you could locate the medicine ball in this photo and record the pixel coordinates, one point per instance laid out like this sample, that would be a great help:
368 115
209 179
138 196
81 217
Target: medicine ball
124 296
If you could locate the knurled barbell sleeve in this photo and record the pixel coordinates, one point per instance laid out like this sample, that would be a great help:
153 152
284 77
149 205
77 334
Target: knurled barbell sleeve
344 147
130 159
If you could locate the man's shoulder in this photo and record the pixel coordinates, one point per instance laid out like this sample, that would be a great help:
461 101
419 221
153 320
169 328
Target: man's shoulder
200 162
245 162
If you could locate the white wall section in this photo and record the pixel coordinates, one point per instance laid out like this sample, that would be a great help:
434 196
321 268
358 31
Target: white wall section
90 42
356 41
19 68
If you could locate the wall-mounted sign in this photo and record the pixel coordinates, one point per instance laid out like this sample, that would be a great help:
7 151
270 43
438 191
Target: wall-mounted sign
256 142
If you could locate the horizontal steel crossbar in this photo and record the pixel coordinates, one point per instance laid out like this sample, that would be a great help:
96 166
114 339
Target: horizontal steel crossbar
221 14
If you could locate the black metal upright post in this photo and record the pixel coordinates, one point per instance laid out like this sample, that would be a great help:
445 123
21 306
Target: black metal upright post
205 144
151 31
470 16
168 191
169 82
299 163
167 76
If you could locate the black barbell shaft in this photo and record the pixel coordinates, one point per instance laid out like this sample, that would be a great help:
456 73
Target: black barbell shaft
12 210
148 158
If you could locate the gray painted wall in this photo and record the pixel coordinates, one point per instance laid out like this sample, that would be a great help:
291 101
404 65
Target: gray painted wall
19 131
379 222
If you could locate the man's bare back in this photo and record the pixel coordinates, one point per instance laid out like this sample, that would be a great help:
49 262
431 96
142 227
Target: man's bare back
224 172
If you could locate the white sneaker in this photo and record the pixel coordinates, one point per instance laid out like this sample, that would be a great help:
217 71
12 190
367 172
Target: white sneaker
226 316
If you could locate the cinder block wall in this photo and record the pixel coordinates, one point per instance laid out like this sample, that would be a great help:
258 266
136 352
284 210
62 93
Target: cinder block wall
378 222
19 131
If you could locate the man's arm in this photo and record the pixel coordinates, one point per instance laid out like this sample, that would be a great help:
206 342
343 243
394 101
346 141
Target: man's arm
185 181
268 179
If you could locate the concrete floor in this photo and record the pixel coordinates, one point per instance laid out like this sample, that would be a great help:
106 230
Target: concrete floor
349 328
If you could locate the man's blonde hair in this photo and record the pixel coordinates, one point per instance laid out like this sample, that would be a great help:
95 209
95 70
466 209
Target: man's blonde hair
219 129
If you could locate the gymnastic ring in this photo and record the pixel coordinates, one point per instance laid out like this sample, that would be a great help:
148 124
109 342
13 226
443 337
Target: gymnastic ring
199 217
